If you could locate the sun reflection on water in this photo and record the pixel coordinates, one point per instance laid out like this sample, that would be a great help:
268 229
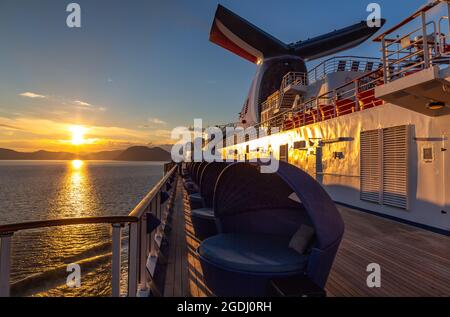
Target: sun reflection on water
77 164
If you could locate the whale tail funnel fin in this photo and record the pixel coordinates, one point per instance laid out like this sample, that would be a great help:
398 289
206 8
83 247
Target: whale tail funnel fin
246 40
336 41
242 38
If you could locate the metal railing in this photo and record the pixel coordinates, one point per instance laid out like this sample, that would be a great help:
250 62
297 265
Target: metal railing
143 247
329 66
423 47
271 102
341 64
411 53
356 95
444 38
294 79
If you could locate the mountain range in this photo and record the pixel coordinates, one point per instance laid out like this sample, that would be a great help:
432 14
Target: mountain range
135 153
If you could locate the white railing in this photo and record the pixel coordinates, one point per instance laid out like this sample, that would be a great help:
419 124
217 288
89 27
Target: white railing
331 65
341 64
271 102
423 47
444 38
356 95
294 79
143 247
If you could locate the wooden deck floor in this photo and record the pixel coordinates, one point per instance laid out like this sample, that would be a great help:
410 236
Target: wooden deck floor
414 262
184 276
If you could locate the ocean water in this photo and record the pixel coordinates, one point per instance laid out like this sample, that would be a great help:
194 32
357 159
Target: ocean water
41 190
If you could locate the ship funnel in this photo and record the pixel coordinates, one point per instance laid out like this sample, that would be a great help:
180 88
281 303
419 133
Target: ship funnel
244 39
336 41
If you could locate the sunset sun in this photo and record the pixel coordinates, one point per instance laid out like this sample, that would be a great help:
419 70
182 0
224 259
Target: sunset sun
78 133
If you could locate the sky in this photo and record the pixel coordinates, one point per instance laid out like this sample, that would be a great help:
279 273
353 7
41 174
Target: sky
137 69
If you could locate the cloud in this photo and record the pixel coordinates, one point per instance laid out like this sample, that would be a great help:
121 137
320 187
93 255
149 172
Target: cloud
7 126
29 94
82 103
157 121
30 133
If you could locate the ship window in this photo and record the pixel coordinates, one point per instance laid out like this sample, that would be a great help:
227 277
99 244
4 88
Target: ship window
355 66
341 66
369 66
385 167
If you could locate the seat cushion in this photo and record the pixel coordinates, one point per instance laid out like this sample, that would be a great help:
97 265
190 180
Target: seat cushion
258 253
205 213
196 197
191 187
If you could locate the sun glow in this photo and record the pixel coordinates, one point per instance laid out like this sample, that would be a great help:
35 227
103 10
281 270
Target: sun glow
77 164
78 133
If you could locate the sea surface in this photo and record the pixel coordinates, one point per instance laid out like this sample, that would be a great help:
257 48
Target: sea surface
41 190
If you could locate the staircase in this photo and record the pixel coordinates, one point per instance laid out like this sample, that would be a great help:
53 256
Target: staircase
292 85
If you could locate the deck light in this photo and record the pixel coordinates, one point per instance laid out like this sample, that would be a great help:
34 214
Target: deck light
435 105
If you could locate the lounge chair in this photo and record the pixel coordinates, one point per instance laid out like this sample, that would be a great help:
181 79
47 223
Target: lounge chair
195 199
258 215
203 219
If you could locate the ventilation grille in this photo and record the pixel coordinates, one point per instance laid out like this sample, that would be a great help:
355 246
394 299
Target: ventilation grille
370 165
395 167
284 152
384 166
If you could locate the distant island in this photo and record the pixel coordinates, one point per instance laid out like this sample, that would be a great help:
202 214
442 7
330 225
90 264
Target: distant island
135 153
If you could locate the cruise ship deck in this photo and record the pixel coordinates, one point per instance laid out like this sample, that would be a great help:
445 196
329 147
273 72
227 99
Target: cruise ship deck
414 262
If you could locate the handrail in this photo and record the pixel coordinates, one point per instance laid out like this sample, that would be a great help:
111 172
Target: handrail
140 208
14 227
358 85
143 245
132 217
412 17
331 65
312 74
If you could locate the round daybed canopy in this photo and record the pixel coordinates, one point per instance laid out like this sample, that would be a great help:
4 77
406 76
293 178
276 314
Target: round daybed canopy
196 199
203 219
262 219
190 185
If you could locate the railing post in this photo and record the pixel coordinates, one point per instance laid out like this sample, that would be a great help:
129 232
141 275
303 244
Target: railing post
143 254
116 263
153 251
448 17
335 98
356 94
148 234
426 52
132 259
161 216
5 264
158 205
385 61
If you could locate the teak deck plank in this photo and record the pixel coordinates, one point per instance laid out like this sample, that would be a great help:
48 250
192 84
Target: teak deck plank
184 277
414 261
